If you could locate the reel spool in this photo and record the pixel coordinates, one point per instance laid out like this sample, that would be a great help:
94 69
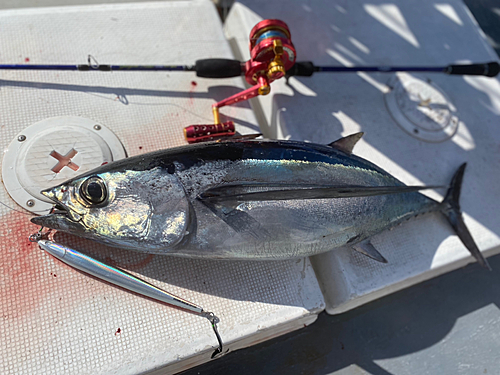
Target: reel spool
271 50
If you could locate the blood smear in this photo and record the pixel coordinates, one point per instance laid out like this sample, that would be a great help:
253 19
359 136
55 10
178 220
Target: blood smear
20 267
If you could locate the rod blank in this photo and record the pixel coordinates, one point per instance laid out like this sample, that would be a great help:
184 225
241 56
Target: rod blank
307 69
226 68
100 67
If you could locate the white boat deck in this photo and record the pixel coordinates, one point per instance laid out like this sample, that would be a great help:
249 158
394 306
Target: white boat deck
57 320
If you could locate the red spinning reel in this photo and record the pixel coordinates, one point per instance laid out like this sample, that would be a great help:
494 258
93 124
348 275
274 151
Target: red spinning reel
272 54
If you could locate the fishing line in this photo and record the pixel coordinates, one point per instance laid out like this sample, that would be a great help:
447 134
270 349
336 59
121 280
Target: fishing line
14 209
20 211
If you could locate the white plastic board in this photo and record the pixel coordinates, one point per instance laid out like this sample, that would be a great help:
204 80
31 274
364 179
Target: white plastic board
325 107
56 320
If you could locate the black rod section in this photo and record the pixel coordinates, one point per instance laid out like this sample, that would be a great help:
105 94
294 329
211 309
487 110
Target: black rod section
307 69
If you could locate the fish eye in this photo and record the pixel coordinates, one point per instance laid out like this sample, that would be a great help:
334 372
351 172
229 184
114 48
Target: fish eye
93 190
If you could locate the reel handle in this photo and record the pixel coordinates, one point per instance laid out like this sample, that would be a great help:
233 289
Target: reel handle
203 133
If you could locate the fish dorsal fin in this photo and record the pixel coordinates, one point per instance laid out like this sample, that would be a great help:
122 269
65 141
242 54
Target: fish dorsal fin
346 144
366 248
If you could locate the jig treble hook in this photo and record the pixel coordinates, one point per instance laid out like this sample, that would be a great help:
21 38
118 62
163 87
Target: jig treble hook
213 321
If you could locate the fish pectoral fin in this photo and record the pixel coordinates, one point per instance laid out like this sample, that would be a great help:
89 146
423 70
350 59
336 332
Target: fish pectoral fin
346 144
240 221
366 248
232 195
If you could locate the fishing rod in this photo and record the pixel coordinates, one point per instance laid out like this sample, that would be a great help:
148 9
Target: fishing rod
227 68
272 56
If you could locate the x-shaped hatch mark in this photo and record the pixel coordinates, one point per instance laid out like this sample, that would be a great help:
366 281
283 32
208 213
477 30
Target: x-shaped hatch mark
64 161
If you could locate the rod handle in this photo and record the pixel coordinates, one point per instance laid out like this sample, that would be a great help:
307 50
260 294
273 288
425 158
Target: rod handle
302 69
218 68
490 69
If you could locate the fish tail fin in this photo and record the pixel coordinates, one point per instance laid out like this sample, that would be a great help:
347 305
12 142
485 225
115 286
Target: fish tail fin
450 207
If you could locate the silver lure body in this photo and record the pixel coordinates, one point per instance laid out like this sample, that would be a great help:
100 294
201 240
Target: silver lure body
162 202
114 276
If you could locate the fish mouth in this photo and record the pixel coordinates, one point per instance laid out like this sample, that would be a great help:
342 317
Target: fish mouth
60 216
59 208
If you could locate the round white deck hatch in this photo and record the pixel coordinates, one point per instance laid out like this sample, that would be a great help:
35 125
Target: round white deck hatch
421 108
52 151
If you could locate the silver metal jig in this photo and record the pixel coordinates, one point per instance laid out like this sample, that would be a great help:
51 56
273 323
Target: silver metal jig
122 279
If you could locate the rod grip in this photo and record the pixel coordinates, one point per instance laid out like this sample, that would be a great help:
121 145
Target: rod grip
490 69
302 69
218 68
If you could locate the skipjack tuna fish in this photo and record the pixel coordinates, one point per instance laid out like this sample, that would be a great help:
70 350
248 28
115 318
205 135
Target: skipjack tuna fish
245 199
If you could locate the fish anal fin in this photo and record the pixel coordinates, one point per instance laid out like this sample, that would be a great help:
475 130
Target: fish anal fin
366 248
346 144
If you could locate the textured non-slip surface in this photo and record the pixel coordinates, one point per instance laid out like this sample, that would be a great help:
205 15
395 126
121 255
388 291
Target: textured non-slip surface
57 320
447 325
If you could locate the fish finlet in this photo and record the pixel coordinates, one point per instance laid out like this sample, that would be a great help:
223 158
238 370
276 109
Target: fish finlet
366 248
